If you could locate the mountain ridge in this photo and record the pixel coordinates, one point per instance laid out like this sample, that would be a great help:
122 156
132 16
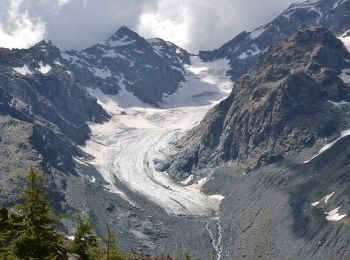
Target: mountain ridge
244 50
269 107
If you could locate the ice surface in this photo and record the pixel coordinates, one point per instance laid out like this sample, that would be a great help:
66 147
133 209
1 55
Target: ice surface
128 146
24 70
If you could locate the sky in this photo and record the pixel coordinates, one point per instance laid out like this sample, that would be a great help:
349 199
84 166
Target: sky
77 24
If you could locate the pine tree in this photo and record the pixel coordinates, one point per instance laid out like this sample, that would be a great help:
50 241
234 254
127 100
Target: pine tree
84 239
31 233
112 251
187 256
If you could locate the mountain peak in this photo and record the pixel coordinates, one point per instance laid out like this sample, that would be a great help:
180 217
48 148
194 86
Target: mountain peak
310 44
44 44
123 36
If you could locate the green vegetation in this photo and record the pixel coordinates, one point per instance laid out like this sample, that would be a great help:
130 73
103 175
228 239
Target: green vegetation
29 231
113 253
84 240
30 234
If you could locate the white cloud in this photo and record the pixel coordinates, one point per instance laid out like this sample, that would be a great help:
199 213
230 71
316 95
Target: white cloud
18 29
171 21
197 25
192 24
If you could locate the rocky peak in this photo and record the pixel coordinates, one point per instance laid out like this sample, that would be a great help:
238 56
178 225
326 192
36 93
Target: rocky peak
47 48
311 48
284 104
147 69
123 36
244 50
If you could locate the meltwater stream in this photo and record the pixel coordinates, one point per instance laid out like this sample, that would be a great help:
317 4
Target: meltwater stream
129 146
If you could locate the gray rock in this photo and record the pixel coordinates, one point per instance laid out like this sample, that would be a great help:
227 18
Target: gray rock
280 107
149 69
244 50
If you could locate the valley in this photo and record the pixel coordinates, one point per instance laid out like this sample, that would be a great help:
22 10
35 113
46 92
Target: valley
130 146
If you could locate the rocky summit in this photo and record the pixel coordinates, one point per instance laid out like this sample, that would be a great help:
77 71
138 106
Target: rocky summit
149 69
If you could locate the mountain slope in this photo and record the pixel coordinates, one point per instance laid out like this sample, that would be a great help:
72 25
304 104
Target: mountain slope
149 69
287 102
244 50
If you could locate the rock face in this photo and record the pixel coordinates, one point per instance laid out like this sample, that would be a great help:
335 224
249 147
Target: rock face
244 50
43 114
45 105
149 69
285 103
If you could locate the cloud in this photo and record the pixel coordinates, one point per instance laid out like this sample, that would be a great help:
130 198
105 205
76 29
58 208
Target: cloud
170 20
18 29
197 25
78 24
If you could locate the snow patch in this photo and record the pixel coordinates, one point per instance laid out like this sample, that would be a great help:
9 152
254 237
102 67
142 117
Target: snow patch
24 70
345 76
327 146
199 184
257 32
125 40
187 180
101 73
44 69
254 50
346 40
337 3
334 215
324 199
80 161
338 104
217 196
58 63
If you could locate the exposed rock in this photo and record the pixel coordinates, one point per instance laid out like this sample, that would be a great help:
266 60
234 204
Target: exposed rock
280 107
244 50
149 69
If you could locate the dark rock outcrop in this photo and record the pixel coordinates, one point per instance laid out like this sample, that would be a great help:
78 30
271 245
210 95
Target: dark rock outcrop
281 106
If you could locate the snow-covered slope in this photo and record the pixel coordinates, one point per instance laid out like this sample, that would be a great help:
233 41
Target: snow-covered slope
149 69
244 50
129 147
345 38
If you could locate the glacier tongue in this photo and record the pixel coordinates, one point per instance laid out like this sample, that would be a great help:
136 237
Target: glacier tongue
129 146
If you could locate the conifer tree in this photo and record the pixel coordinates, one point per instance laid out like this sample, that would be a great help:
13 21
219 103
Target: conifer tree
187 256
30 234
84 239
112 251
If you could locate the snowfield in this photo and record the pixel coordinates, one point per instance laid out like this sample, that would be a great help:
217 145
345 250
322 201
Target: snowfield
138 136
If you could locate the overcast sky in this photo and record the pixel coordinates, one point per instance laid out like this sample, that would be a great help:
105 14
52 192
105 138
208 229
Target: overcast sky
192 24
